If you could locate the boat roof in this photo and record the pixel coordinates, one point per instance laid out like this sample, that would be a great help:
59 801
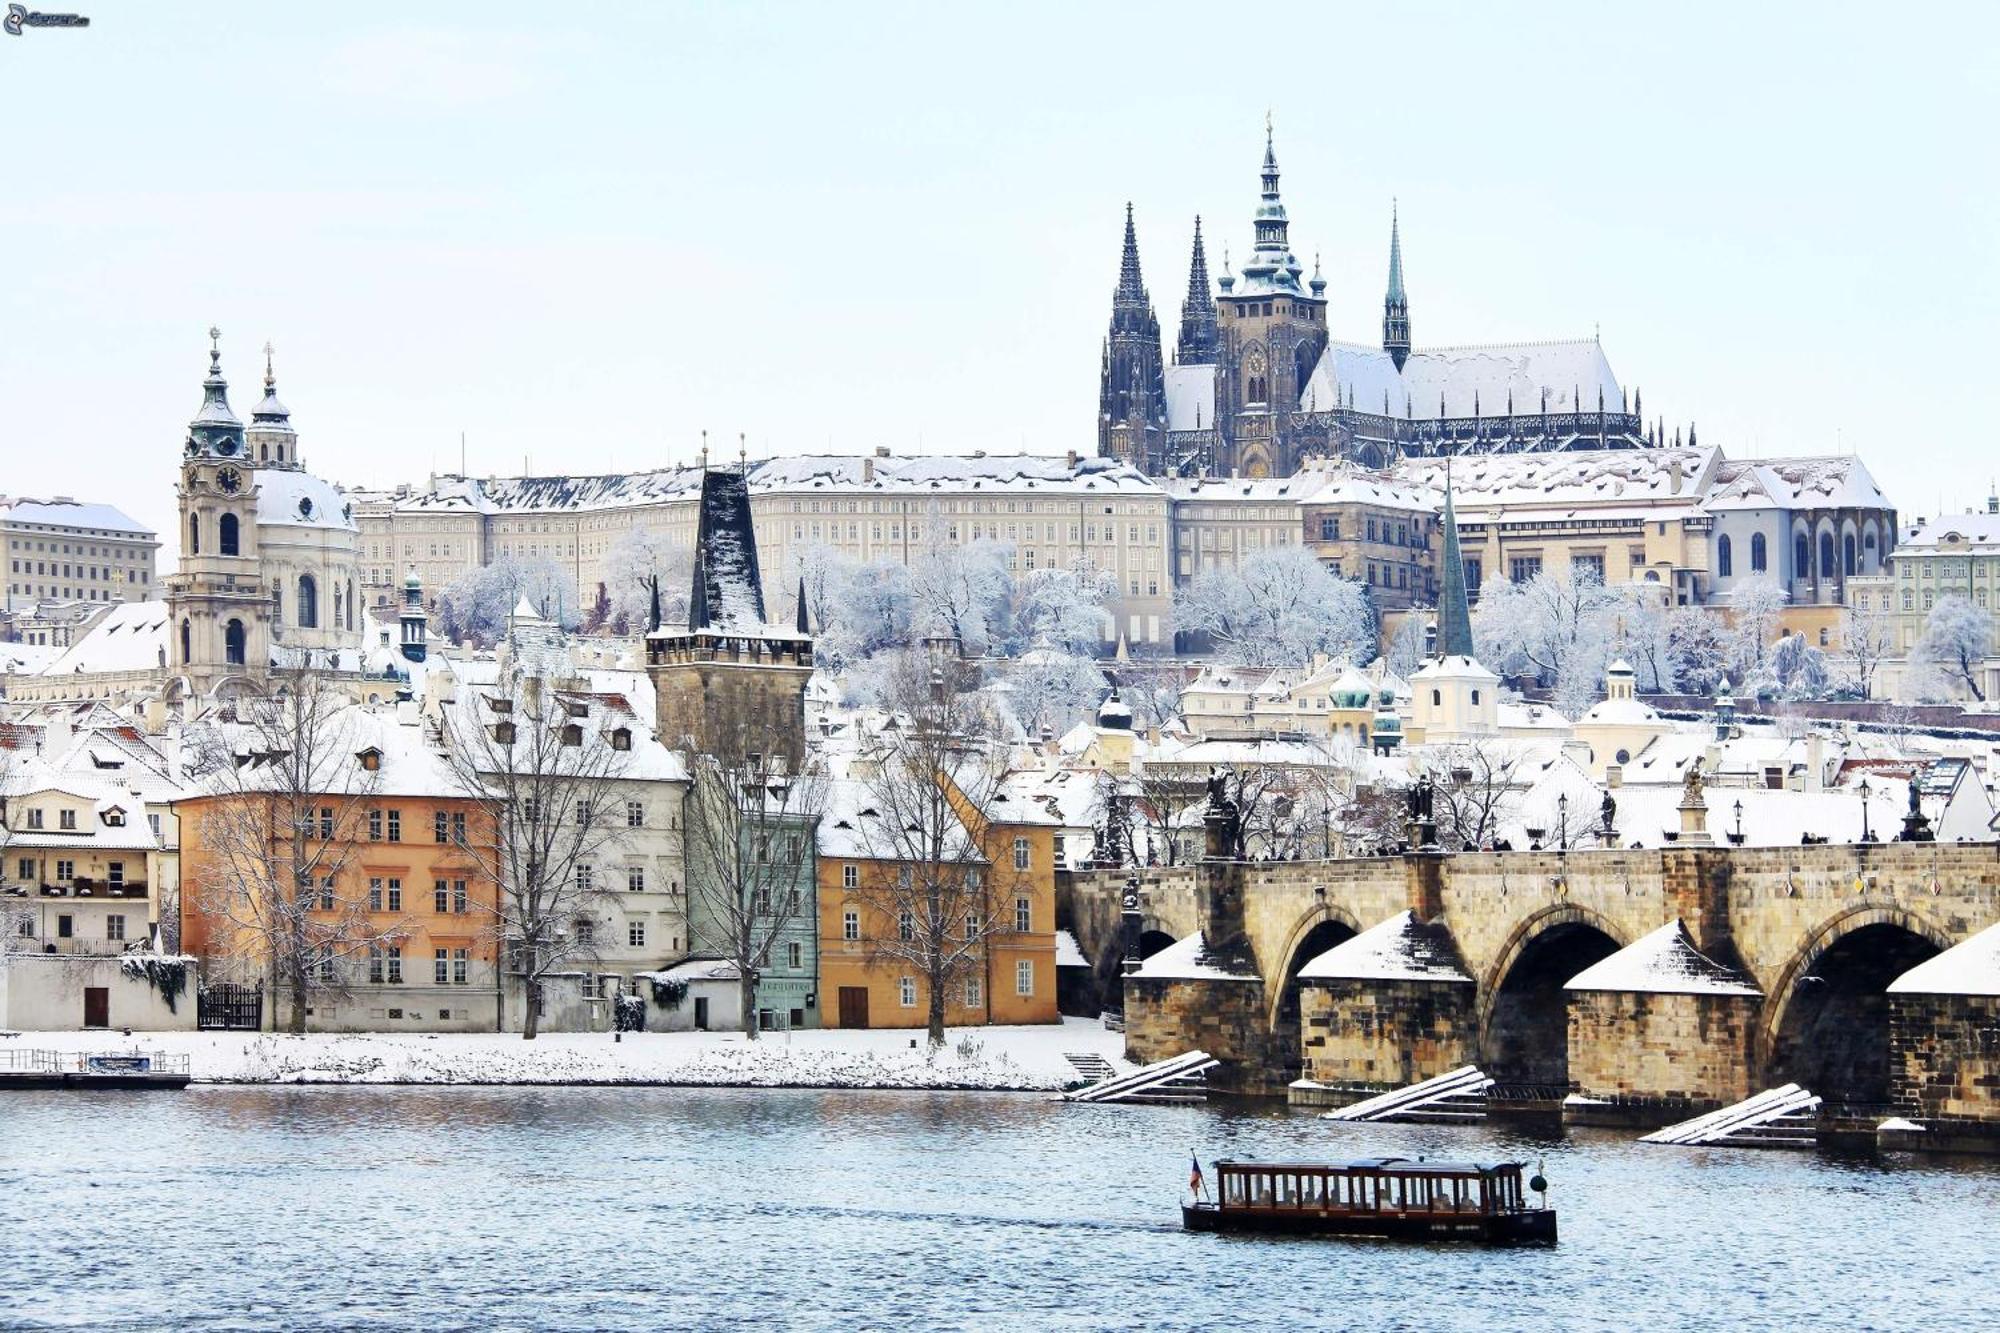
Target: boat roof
1399 1165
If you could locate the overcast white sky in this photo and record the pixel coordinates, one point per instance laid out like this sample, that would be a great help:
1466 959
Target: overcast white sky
581 234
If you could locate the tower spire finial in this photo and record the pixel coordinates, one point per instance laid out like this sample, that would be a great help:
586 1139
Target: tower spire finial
270 380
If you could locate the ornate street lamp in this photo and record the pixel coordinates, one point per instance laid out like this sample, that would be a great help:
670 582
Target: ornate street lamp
1864 811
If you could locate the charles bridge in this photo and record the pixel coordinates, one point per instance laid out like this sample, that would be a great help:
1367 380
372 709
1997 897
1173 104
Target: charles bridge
1804 939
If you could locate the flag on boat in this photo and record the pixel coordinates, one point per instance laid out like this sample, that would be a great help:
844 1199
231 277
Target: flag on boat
1194 1180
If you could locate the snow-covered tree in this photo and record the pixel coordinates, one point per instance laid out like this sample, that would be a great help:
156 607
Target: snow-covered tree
1699 643
1957 637
960 592
1556 628
1406 646
1754 608
1055 689
1866 637
634 561
1063 608
475 605
1643 636
1795 669
1277 608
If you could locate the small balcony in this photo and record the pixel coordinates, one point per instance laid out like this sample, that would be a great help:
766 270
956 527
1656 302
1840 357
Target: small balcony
84 886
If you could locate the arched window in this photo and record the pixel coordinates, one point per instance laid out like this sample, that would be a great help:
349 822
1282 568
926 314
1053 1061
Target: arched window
1723 564
187 642
308 602
227 540
232 643
1437 698
194 534
1826 555
1847 553
1801 555
1758 558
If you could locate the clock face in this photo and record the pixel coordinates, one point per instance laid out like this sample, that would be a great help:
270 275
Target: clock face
229 480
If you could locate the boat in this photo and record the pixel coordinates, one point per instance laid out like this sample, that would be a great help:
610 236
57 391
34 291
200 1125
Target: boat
32 1069
1392 1198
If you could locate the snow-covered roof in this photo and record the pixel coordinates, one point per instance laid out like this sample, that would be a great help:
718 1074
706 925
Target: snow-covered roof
1950 529
1270 490
1969 968
1068 954
133 637
1398 949
1190 960
1352 372
1064 797
1585 478
1664 962
1190 397
301 500
1795 483
63 512
1343 484
694 969
941 473
508 495
853 825
1572 372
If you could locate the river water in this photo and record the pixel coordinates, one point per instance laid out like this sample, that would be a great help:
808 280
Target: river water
580 1208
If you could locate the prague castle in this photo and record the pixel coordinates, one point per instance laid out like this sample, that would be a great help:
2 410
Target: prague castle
1258 384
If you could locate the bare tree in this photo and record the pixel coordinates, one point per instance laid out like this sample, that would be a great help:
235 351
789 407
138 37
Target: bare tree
1376 817
930 788
1473 780
291 779
1165 794
751 821
545 763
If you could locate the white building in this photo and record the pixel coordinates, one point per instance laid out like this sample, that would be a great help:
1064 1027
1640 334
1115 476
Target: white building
63 550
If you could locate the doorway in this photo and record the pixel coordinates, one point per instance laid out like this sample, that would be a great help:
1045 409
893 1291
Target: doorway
97 1006
854 1006
701 1013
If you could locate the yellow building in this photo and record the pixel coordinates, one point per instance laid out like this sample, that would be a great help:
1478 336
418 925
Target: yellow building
1006 974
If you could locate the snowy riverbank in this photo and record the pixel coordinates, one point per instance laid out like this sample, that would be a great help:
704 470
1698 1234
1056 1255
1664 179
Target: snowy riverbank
991 1058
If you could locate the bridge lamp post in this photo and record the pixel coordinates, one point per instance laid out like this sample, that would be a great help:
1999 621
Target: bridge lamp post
1562 821
1864 811
1737 837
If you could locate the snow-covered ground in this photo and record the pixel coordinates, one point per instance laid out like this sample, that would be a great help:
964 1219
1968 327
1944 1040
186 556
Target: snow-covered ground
997 1058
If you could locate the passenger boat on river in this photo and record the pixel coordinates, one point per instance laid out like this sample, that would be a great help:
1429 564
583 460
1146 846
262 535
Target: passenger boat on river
1387 1197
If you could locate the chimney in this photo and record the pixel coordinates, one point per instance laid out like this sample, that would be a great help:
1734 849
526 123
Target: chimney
867 469
1071 458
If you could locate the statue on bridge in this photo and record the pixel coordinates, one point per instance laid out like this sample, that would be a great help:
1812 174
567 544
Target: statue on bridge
1423 821
1223 820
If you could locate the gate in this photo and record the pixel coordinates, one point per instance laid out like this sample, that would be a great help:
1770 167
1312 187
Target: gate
229 1008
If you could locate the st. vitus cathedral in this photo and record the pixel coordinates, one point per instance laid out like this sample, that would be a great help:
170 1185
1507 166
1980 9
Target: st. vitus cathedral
1258 384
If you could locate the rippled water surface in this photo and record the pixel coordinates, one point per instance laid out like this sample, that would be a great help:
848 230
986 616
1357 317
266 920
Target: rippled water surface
324 1208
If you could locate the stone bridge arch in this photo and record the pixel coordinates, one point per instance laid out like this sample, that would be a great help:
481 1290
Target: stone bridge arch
1523 1027
1833 1029
1322 928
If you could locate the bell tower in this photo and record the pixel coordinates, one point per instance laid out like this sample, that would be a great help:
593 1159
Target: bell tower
220 610
1273 331
1132 390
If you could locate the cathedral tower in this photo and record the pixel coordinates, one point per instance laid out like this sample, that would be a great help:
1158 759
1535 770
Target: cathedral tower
220 608
1132 393
1396 305
1272 334
1197 344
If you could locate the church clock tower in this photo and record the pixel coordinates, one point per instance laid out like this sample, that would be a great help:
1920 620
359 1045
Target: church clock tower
220 609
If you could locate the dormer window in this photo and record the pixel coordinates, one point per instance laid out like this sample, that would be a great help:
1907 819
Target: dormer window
572 735
621 739
503 732
114 817
575 708
66 819
500 705
371 760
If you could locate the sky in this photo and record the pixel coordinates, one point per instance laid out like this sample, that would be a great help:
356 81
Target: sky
577 236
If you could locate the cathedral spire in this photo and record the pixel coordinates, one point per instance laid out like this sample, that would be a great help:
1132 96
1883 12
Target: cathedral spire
1198 333
1454 614
1396 304
1130 286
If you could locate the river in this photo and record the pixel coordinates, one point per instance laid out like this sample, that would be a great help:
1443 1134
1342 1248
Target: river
586 1208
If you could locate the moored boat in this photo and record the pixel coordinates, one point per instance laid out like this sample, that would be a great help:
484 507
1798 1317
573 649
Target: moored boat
1392 1198
30 1069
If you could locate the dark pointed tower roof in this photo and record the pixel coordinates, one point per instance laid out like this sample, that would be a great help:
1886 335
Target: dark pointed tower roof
1197 346
728 590
1396 303
1130 286
1454 613
804 625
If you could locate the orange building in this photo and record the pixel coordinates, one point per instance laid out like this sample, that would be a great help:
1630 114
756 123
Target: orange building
400 926
1010 976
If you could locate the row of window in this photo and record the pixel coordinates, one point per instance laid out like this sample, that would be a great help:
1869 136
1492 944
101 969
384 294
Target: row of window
114 927
449 966
906 923
93 573
1024 984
